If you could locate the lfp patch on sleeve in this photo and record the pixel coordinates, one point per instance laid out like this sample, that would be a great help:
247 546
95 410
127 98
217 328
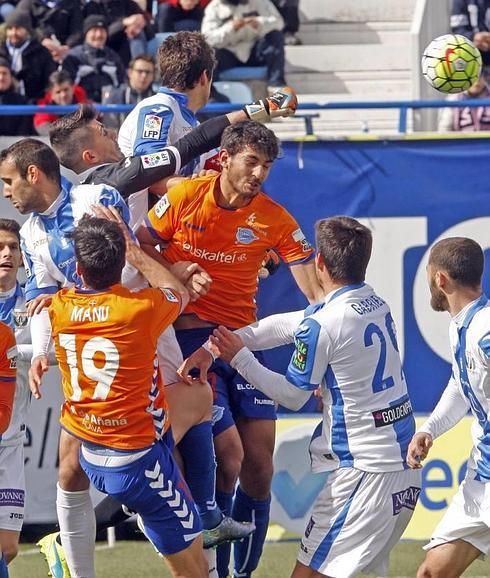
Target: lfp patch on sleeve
155 160
300 355
152 126
170 296
162 206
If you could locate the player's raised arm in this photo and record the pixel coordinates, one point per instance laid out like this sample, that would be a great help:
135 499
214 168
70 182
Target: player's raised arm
306 278
156 274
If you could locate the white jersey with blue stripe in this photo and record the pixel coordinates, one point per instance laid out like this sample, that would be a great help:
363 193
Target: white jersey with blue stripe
13 313
49 256
469 337
348 346
156 122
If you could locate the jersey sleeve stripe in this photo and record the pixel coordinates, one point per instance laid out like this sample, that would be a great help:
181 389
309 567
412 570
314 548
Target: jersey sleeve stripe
7 378
300 261
153 232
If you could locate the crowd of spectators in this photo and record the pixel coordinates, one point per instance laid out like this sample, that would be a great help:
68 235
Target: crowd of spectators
74 51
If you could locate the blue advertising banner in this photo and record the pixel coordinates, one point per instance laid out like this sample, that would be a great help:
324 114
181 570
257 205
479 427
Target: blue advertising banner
410 193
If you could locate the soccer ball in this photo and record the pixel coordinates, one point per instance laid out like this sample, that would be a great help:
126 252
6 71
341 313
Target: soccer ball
451 63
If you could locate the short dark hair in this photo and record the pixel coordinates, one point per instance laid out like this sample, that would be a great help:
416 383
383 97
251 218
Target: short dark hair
29 151
237 136
145 57
461 258
345 247
59 77
100 250
182 58
69 136
11 226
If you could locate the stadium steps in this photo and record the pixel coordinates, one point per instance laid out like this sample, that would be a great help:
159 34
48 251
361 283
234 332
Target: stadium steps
353 50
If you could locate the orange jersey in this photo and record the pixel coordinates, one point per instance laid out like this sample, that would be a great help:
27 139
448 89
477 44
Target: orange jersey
8 353
105 346
230 244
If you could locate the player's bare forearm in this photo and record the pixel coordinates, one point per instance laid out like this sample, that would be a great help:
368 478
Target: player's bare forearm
307 280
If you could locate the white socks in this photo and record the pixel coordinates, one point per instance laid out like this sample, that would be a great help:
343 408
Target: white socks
210 555
76 518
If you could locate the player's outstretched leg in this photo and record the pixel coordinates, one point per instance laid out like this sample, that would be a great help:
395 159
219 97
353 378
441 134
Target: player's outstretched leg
190 410
448 560
252 499
75 517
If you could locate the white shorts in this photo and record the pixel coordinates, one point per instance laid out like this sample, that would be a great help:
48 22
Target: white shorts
169 356
467 518
12 487
357 519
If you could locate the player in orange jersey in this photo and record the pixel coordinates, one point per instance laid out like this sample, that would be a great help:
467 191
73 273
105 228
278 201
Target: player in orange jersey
105 339
7 390
226 224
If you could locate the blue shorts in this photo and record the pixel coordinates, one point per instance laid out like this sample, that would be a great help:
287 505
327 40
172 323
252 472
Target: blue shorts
153 487
233 395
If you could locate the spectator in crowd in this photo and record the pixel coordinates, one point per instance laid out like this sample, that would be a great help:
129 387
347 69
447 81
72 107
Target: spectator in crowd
61 91
246 33
30 62
289 10
12 125
141 74
128 30
6 7
176 15
93 65
471 19
467 119
56 24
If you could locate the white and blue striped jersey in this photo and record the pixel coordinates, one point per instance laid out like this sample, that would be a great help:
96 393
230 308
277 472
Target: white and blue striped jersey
348 346
13 313
156 122
469 337
49 256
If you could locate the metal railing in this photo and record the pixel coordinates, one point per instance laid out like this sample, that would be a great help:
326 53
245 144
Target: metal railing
221 108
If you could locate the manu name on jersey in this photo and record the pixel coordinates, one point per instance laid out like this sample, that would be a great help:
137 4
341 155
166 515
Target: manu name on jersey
106 349
348 347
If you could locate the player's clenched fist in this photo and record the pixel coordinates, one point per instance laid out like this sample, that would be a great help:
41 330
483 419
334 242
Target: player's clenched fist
283 102
418 449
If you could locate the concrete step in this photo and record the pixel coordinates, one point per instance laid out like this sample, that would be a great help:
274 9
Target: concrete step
341 57
375 85
353 33
356 10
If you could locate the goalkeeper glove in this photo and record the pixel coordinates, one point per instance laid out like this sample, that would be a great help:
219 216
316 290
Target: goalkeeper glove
282 103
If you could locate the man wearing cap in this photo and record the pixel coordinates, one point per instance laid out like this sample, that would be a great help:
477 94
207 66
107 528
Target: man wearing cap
30 62
92 64
12 125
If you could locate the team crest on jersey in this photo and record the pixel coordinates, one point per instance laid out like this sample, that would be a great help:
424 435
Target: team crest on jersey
162 206
300 355
245 236
169 295
155 160
152 126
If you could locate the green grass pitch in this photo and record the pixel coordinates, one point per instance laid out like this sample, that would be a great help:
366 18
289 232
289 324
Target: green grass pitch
138 560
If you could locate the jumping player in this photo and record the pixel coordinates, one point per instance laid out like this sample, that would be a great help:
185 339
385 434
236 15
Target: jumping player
346 345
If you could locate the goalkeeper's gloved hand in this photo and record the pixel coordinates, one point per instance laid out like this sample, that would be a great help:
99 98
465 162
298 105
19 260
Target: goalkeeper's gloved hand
282 103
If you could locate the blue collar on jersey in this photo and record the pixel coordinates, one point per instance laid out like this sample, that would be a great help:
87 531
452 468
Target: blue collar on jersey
7 306
182 101
86 291
345 289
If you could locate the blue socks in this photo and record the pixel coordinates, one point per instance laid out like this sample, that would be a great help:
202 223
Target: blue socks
223 552
247 553
197 451
4 573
